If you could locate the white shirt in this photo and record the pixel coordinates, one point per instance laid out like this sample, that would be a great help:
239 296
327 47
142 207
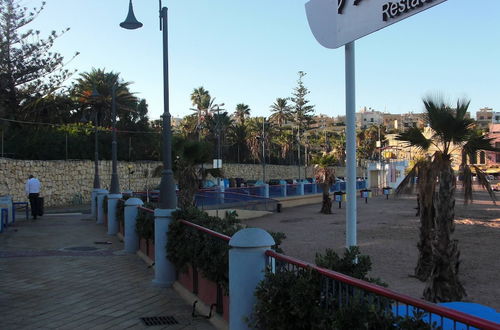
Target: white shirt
32 186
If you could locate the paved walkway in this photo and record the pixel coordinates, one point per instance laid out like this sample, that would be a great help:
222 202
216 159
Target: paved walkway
45 283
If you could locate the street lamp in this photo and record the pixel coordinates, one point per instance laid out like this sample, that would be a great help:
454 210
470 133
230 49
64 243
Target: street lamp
168 198
262 139
115 184
218 130
97 184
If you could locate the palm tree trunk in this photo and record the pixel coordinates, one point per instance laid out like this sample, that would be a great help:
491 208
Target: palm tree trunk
426 187
326 205
443 283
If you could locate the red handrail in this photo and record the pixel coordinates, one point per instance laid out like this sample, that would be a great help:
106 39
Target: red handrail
206 230
145 209
430 307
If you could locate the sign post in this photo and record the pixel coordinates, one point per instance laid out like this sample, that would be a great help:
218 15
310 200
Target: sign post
335 23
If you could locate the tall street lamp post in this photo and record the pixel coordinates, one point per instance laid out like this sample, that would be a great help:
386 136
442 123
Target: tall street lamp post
168 199
115 184
164 269
114 191
97 184
218 130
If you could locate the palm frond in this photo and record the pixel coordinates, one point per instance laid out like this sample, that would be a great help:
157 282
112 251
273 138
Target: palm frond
415 138
482 179
407 185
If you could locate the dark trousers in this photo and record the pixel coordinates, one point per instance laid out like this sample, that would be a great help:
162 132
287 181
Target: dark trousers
34 204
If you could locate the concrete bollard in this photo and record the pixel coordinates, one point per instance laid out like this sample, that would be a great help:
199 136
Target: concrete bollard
283 190
100 210
247 262
164 269
93 202
300 188
113 226
131 238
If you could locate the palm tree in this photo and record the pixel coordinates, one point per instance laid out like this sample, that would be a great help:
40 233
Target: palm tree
281 112
241 113
188 157
238 139
103 82
199 98
325 175
438 253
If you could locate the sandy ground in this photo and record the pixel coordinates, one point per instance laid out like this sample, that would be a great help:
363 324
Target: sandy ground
388 233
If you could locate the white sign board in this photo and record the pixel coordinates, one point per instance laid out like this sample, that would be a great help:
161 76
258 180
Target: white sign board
335 23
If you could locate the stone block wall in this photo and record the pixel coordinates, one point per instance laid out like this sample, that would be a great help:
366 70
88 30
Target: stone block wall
71 182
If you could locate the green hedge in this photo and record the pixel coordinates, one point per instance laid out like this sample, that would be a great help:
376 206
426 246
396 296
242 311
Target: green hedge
209 254
145 223
299 299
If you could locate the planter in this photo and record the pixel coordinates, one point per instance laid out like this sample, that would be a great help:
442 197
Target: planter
143 246
186 278
121 228
207 290
151 249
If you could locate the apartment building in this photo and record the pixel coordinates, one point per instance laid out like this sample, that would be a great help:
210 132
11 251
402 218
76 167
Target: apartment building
484 117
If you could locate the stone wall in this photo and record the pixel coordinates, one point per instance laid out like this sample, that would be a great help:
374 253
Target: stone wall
71 182
254 172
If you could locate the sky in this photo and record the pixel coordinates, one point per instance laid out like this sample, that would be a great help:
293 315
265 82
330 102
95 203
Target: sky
251 51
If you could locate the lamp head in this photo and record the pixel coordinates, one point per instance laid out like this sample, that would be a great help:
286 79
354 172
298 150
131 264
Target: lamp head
130 23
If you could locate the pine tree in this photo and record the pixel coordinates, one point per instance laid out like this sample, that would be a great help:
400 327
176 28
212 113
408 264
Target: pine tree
28 69
302 111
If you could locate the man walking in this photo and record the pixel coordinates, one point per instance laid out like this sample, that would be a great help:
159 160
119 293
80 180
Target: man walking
33 190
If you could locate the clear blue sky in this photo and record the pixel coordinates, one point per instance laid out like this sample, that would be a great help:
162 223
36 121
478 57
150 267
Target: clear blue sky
250 52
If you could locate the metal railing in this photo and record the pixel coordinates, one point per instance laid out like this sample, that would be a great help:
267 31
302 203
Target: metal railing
206 230
345 290
145 209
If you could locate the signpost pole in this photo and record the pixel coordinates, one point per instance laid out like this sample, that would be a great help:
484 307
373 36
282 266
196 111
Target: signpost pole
350 97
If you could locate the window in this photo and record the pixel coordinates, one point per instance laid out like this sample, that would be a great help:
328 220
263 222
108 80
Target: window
482 158
371 120
473 160
481 118
497 157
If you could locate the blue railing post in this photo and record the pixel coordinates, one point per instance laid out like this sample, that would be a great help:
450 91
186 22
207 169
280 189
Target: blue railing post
112 220
265 190
247 262
131 238
300 188
283 190
99 206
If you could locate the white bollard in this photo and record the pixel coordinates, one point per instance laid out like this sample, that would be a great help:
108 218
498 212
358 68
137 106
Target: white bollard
131 238
164 269
247 262
113 226
100 210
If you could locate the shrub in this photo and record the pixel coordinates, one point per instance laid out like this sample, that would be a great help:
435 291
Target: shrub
209 254
303 299
145 225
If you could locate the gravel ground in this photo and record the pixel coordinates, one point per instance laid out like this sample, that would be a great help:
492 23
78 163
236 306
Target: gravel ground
387 231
